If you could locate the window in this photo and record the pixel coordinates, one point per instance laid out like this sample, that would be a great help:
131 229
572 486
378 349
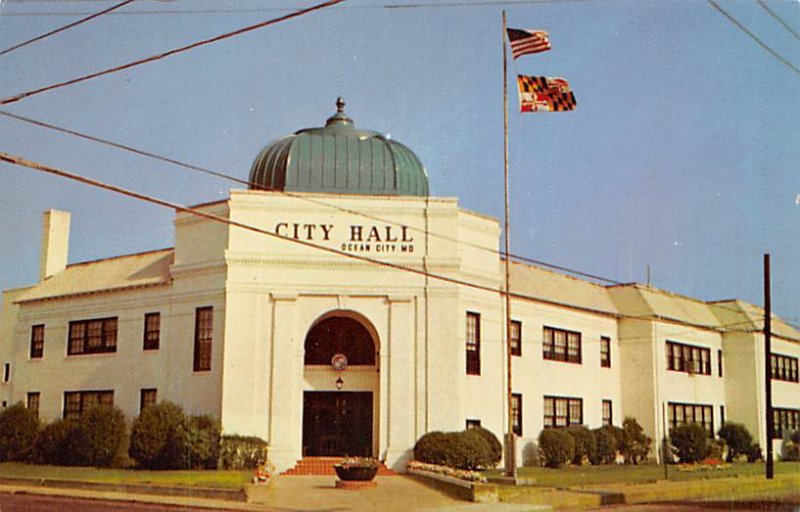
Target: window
33 402
561 345
562 411
783 367
785 420
473 424
147 397
721 414
203 335
473 344
6 372
37 341
605 352
77 402
92 336
608 417
516 413
682 414
515 335
688 358
152 331
719 362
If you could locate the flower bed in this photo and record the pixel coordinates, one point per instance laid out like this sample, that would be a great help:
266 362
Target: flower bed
704 465
461 474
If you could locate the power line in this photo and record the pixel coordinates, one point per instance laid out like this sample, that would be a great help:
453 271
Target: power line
160 56
20 161
754 37
778 19
221 175
66 27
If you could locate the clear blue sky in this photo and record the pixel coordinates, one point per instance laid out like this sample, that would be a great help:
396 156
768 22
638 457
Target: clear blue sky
683 154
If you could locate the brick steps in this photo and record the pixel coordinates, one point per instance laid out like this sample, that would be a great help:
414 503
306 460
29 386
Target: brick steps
323 466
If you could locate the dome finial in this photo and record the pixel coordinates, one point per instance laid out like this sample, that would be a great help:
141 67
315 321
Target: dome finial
340 104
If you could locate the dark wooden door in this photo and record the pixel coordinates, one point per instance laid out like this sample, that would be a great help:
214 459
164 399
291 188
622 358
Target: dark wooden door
337 423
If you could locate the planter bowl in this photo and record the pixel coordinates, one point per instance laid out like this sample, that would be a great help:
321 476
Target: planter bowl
358 474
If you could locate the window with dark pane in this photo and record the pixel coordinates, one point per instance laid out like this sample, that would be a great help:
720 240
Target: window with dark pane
203 337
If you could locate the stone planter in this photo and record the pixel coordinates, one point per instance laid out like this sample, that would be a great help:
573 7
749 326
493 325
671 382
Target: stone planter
355 473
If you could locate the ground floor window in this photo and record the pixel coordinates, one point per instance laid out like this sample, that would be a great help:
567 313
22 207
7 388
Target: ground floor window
33 402
77 402
607 413
785 420
147 397
471 423
516 413
562 411
679 414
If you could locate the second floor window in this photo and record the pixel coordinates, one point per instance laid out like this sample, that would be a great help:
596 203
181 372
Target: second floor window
152 331
515 337
784 368
37 341
561 345
605 352
473 344
92 336
688 358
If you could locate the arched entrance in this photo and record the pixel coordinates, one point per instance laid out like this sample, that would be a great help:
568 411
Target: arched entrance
338 417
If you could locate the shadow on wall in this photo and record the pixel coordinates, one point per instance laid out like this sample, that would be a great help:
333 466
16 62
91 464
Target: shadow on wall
530 454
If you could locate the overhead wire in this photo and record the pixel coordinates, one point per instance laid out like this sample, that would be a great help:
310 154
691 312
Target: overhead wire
312 200
65 27
755 38
152 58
778 18
23 162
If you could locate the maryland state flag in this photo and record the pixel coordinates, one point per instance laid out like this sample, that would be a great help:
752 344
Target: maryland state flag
544 94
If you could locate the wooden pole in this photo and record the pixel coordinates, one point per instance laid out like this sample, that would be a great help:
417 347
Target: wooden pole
768 367
510 437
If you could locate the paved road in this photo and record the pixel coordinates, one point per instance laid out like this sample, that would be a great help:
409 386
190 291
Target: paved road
789 505
34 503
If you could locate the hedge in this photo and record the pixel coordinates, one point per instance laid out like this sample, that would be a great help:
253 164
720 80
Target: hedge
468 449
18 430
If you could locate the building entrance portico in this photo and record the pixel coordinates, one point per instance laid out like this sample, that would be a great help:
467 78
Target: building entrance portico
341 387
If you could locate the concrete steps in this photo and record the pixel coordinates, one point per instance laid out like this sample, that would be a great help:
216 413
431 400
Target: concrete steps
323 466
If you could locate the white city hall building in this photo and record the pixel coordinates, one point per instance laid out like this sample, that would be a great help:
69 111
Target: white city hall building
336 308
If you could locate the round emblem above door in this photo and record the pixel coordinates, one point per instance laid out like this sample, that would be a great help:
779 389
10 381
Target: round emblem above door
339 362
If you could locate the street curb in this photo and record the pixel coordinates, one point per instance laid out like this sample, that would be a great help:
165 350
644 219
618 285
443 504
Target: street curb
238 495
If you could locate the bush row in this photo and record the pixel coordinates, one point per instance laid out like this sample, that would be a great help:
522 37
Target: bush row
474 448
161 437
579 445
690 443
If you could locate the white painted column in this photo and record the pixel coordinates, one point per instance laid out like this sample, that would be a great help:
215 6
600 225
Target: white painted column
399 402
286 389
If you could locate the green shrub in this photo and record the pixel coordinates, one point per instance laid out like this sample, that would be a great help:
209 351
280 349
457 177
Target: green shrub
606 440
242 452
585 444
467 449
18 429
64 443
738 439
716 447
634 445
105 429
690 442
754 454
495 447
158 438
203 438
556 447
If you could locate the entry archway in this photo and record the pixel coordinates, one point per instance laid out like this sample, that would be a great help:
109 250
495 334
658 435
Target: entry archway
340 422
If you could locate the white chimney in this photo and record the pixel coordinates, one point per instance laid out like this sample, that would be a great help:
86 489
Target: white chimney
55 243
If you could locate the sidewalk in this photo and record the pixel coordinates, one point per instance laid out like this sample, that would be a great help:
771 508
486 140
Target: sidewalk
303 493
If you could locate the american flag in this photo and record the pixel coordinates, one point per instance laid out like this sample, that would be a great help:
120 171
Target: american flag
527 41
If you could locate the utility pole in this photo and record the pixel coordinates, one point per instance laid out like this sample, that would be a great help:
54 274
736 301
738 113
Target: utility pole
768 367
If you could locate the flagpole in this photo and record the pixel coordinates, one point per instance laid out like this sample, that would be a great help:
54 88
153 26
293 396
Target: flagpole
510 438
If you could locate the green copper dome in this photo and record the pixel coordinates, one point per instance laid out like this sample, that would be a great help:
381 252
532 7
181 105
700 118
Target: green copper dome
339 159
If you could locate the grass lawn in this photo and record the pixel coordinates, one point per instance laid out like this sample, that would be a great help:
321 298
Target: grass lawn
590 475
197 478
